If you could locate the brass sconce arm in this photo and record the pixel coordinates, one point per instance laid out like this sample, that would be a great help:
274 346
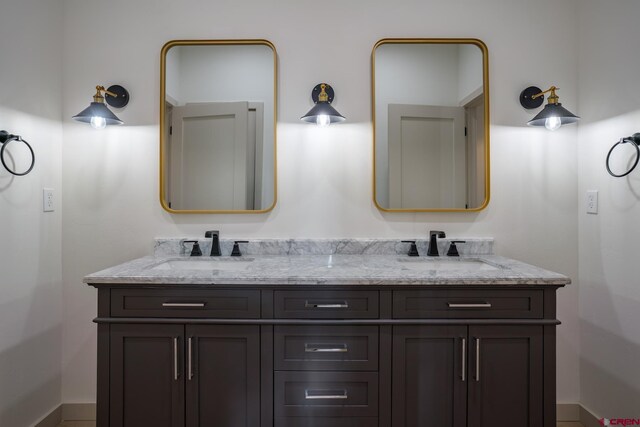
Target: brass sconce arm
552 99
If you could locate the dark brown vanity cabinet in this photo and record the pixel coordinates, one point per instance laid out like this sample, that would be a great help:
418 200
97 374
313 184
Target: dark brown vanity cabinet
475 376
184 375
336 356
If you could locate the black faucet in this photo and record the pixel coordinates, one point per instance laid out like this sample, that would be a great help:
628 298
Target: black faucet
236 247
433 243
413 249
453 249
195 249
215 242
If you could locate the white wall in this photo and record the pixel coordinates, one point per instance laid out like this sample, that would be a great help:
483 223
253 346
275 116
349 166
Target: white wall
609 272
111 202
30 252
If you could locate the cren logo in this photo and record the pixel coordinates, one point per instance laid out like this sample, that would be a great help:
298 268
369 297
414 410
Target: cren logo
620 422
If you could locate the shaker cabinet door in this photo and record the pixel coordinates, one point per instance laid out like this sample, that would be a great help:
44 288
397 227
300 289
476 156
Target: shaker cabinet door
505 388
146 376
222 375
429 376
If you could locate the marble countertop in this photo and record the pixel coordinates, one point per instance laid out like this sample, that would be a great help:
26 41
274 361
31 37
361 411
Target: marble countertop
334 269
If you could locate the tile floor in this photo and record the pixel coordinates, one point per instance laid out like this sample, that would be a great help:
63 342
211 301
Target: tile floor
78 424
93 424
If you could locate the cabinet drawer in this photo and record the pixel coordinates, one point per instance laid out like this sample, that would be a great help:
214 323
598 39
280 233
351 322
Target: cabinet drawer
326 394
326 304
186 303
467 304
326 348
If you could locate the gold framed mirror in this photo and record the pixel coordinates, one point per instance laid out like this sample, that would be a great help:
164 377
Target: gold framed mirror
430 106
218 115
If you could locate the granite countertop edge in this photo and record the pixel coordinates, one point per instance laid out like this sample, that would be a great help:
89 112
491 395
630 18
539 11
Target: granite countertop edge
326 270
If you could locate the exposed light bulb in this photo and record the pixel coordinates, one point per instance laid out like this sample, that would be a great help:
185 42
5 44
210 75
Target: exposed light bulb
98 122
553 123
323 120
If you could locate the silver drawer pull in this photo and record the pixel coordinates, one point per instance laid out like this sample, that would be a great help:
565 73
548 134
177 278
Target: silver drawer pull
340 304
175 358
325 394
325 348
184 304
479 305
477 359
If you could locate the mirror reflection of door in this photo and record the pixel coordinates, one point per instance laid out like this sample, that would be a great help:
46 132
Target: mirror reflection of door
214 149
427 156
475 146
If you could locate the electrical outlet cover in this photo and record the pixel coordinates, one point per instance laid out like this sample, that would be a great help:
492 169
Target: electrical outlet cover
47 200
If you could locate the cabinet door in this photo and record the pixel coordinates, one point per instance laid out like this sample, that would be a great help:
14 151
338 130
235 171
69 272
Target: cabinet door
146 380
223 375
505 389
429 378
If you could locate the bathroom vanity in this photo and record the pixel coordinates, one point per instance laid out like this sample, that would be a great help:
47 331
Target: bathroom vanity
326 341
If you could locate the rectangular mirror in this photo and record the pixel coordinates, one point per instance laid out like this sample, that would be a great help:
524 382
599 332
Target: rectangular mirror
218 126
431 125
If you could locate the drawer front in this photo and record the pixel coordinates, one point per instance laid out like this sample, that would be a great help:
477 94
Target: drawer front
220 304
468 304
326 304
326 394
326 422
326 348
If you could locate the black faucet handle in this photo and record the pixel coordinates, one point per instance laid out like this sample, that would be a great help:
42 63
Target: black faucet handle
236 247
440 234
413 249
195 249
453 249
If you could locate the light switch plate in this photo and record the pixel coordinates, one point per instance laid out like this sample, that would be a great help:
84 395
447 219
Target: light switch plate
592 202
47 200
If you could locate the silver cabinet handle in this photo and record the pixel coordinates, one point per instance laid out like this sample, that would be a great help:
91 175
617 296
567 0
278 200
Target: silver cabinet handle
325 348
477 359
325 394
478 305
464 359
189 360
175 359
184 304
340 304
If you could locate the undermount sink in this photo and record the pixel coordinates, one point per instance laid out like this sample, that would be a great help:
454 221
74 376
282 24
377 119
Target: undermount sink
234 264
456 264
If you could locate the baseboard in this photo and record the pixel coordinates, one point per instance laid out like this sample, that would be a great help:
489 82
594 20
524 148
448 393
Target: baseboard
87 412
79 411
568 412
69 412
588 419
52 420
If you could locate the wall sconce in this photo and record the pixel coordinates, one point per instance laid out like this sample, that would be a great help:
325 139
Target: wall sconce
97 114
553 115
322 113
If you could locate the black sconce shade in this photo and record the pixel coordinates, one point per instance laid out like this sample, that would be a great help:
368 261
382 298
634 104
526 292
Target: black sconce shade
322 113
97 113
553 115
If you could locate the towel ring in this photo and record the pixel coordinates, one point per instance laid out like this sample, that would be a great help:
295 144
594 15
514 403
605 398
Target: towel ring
635 141
5 139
